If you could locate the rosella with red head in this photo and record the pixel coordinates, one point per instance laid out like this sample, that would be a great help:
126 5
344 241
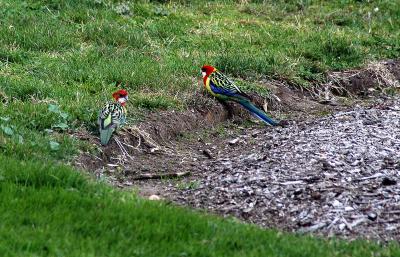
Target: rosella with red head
121 96
220 86
112 115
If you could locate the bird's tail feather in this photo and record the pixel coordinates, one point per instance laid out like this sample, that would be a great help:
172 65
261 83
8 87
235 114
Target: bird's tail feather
105 135
257 112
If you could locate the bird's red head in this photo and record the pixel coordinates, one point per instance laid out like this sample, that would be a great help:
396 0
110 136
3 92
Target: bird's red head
121 96
206 70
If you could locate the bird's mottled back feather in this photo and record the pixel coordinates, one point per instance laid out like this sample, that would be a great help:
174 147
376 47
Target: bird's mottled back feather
221 84
111 114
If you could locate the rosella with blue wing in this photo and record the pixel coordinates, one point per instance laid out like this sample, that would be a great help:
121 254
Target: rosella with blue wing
220 86
112 116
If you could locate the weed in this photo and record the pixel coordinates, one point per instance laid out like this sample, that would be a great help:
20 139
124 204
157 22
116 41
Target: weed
183 185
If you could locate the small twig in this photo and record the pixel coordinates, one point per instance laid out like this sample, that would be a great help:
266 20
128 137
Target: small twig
348 225
145 136
128 145
161 176
295 182
139 143
313 228
370 177
388 221
358 222
98 158
391 212
333 223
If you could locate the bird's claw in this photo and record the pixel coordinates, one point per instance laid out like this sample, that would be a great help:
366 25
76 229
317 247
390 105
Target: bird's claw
283 123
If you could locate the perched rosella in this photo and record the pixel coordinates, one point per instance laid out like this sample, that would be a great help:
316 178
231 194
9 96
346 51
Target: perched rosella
112 115
220 86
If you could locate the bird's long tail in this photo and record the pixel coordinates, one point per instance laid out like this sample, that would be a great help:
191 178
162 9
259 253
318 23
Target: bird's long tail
105 135
106 129
257 112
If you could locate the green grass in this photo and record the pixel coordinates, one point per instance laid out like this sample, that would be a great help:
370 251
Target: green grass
60 61
71 53
51 210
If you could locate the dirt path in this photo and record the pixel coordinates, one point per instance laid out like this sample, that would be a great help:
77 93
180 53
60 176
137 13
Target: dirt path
336 175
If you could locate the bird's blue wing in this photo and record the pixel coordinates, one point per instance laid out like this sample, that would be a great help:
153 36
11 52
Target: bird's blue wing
221 91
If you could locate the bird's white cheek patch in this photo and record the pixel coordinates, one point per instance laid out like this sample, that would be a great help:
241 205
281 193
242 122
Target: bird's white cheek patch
203 74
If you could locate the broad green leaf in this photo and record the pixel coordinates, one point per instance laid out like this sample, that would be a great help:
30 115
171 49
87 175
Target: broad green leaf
53 108
20 139
64 115
6 119
55 146
7 130
61 125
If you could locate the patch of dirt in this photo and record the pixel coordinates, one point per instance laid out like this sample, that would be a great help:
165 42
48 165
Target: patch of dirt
136 147
325 172
375 78
335 176
295 102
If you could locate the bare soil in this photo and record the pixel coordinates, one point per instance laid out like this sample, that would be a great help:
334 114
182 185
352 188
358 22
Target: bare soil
333 169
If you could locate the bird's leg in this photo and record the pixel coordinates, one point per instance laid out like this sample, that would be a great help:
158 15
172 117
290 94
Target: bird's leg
227 107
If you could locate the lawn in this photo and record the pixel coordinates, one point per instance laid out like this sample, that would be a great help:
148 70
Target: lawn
55 211
60 61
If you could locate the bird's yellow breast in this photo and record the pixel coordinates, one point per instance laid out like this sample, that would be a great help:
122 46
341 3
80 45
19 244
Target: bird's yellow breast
207 86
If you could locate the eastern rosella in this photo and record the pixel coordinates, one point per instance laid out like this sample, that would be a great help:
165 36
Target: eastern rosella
220 86
112 115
